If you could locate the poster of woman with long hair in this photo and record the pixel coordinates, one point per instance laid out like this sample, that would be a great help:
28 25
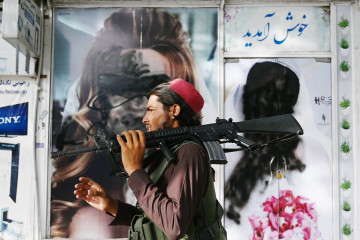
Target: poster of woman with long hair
106 61
283 191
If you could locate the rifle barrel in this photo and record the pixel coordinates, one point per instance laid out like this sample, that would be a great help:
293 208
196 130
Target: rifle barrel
281 124
77 151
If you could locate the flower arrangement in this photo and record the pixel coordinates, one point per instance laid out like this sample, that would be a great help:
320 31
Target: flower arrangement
288 217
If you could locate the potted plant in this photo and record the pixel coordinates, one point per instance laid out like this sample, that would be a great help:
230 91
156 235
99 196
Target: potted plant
345 104
345 126
344 44
344 23
344 47
346 207
346 187
346 184
344 68
346 230
345 149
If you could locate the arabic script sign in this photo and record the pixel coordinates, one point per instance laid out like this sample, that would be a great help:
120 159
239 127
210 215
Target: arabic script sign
277 29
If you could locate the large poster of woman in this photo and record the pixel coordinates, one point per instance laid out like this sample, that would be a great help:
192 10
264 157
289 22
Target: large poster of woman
282 191
106 61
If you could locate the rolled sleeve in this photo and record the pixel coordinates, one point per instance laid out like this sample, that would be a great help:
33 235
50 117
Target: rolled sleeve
124 215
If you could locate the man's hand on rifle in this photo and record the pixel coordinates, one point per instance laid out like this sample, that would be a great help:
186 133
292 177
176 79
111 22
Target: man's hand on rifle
95 195
132 151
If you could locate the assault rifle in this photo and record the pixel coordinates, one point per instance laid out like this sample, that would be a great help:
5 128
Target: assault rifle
210 135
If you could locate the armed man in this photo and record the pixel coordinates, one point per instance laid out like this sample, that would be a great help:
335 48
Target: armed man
175 199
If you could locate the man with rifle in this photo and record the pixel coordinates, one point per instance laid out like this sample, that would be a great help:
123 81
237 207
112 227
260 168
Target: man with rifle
176 196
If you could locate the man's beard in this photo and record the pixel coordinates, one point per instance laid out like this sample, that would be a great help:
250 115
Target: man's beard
166 123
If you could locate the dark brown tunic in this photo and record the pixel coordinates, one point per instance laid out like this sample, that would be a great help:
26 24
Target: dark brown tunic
172 202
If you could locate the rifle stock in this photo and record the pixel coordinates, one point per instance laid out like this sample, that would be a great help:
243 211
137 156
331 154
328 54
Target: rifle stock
211 135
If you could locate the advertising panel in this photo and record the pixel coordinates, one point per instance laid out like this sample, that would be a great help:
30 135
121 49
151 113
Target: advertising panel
283 191
106 61
17 158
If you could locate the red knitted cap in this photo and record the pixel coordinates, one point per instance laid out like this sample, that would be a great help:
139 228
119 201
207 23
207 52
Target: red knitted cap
188 93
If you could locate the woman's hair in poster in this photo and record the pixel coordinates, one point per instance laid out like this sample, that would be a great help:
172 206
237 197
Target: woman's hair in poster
271 89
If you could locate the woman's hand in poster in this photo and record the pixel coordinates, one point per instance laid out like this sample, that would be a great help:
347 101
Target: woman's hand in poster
95 195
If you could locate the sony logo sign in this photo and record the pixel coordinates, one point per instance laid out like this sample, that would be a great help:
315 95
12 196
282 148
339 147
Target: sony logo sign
6 120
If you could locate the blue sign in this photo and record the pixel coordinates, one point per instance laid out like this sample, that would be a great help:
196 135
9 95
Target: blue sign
14 119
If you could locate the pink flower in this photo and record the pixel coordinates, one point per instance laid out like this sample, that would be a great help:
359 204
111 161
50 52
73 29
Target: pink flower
288 217
271 205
